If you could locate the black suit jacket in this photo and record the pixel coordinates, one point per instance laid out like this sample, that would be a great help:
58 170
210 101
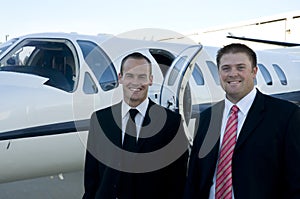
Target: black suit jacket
266 159
161 132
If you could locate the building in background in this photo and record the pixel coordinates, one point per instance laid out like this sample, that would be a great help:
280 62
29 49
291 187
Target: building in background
282 27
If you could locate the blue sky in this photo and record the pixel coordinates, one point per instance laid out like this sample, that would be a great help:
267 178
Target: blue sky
116 17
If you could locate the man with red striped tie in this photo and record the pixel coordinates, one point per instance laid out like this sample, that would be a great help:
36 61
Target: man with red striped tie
248 145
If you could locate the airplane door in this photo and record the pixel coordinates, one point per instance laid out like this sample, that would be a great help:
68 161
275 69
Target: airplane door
175 89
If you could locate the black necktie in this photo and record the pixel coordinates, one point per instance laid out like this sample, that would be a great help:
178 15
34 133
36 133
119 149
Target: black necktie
124 185
129 142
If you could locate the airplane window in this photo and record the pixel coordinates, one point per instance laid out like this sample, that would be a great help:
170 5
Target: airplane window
175 71
265 73
214 71
42 58
198 76
89 86
100 64
280 74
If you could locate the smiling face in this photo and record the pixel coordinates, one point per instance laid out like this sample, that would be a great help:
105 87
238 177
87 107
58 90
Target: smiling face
136 78
237 75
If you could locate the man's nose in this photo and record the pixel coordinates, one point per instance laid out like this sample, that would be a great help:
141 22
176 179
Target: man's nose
135 80
233 72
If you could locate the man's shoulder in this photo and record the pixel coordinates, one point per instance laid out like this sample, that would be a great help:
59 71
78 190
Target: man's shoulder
155 106
278 102
216 107
108 109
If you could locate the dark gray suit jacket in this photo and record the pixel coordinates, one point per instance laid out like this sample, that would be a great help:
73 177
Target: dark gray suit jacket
266 159
162 143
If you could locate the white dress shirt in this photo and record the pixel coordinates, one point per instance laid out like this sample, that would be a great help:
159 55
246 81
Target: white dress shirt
142 108
244 105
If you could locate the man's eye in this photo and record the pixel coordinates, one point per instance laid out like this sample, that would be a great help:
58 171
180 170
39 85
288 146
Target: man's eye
142 77
225 69
241 67
128 76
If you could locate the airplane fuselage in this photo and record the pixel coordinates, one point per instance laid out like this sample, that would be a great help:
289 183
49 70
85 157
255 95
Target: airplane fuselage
51 83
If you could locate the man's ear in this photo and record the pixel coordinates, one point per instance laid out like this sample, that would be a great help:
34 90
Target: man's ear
120 78
254 71
150 80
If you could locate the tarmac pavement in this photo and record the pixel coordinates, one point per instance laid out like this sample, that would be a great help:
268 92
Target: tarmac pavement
65 186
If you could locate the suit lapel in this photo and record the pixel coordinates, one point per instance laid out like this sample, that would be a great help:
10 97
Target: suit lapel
255 115
114 132
212 138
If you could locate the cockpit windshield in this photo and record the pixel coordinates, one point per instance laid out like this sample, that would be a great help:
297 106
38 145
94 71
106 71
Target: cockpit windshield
50 58
7 44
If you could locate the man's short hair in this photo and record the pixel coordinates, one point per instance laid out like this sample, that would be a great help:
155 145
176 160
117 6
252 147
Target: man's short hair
237 48
135 55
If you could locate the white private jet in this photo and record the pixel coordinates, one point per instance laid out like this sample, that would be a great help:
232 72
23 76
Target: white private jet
50 84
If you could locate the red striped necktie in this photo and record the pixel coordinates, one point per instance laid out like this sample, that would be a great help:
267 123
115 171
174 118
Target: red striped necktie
224 169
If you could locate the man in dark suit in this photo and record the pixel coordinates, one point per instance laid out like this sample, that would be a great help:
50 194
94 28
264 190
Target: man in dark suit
149 162
260 158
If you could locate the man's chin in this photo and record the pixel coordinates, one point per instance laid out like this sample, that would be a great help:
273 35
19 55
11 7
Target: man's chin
133 99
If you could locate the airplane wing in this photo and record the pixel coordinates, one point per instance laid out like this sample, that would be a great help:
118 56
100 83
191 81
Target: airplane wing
279 43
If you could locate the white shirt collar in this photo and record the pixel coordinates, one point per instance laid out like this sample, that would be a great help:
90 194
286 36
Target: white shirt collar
142 108
244 104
